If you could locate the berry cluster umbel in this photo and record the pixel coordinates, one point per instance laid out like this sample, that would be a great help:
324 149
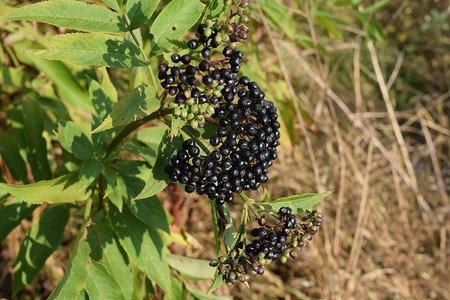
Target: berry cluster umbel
272 242
210 90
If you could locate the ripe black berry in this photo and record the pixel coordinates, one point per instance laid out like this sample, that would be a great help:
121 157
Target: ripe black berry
193 44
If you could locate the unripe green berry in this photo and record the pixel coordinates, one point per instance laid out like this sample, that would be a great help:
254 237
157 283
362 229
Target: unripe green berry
173 104
209 23
184 113
207 32
177 112
193 109
190 116
283 259
222 259
194 124
213 263
190 102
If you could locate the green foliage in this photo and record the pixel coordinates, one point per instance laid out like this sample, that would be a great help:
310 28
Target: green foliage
175 19
92 50
44 238
106 181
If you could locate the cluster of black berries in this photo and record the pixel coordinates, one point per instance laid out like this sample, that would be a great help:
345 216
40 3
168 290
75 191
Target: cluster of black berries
274 242
248 128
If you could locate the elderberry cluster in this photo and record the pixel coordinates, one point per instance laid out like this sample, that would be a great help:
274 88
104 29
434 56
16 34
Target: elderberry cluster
207 89
272 242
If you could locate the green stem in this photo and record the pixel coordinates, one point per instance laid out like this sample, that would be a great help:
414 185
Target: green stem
133 126
248 201
149 68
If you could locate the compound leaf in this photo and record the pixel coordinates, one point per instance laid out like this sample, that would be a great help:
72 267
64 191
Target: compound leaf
70 14
89 171
44 238
92 50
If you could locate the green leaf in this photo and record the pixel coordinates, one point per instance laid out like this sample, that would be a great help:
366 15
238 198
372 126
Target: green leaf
113 257
63 189
158 178
140 103
228 231
218 280
140 11
89 171
101 101
36 144
298 203
44 238
74 140
76 273
113 4
68 87
151 135
145 151
114 188
100 285
70 14
215 8
11 214
197 269
92 50
175 19
143 244
10 154
176 125
150 211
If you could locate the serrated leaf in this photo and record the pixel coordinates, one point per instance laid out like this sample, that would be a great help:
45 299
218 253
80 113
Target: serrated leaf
35 142
10 154
298 203
147 152
113 258
70 14
92 50
44 238
150 211
175 19
218 280
192 267
140 103
158 178
11 214
64 189
140 11
76 273
74 140
100 284
89 171
143 244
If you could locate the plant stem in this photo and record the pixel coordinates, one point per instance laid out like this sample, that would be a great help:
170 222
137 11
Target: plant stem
133 126
87 210
250 204
149 68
